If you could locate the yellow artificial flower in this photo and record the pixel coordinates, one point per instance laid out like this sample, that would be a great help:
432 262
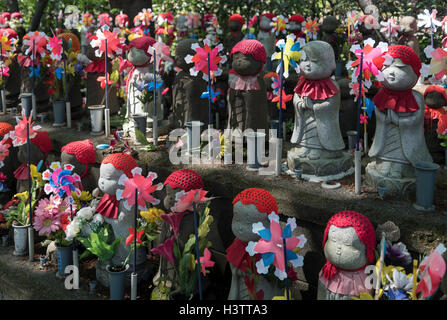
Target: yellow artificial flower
22 196
152 215
134 36
85 197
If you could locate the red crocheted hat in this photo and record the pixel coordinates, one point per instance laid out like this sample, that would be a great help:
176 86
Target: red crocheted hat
5 128
407 55
268 15
42 140
237 17
16 15
83 151
121 161
142 43
251 47
262 199
296 18
436 88
363 227
185 179
6 15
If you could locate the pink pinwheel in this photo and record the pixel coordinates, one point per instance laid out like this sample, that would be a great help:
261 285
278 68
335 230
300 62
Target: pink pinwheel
162 53
165 250
185 200
125 65
390 27
174 219
252 21
131 236
102 80
205 261
373 58
145 189
18 136
115 44
428 20
61 181
143 18
55 47
104 19
431 271
438 63
40 40
270 246
200 60
122 20
370 21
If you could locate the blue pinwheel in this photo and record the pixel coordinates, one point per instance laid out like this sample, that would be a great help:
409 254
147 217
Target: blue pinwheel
59 71
34 72
369 105
213 96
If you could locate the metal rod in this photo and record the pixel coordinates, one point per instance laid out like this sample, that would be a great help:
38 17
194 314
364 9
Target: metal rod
155 116
210 116
30 198
196 231
286 267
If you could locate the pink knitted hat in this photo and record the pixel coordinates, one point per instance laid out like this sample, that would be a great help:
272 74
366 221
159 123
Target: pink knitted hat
83 151
237 17
121 161
407 55
185 179
262 199
251 47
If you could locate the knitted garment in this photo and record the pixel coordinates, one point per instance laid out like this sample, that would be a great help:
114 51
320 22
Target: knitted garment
185 179
42 140
407 55
346 282
262 199
251 47
365 232
316 89
75 44
108 206
5 128
244 83
121 161
296 18
431 88
399 101
82 150
239 257
237 17
268 15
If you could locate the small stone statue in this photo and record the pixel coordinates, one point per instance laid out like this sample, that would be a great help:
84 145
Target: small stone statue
267 37
249 206
39 148
248 96
181 25
317 105
408 27
112 168
295 25
348 244
328 34
10 162
399 140
187 89
235 24
81 154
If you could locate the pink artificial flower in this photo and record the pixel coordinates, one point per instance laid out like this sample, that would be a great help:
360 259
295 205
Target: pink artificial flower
185 200
174 219
165 91
253 21
55 47
4 72
285 98
145 189
125 65
165 250
205 261
39 39
363 119
102 80
4 151
46 223
19 136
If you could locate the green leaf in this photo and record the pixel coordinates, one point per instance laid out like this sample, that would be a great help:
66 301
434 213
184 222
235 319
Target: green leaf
189 244
176 252
141 138
85 254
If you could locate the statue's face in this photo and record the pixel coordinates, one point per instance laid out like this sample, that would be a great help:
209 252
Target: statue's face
264 23
108 178
67 158
330 24
293 26
408 25
399 76
137 56
182 23
344 249
169 200
35 154
182 50
234 26
243 218
316 63
245 64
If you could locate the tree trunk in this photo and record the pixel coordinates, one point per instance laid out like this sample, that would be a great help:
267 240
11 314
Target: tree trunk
35 21
131 8
13 5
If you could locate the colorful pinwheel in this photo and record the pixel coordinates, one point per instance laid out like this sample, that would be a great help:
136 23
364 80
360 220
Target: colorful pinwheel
114 43
104 19
145 188
390 28
291 53
285 98
19 136
162 53
102 80
143 18
431 271
279 24
36 41
55 47
185 200
6 43
87 19
311 28
61 180
122 20
438 63
428 20
200 60
271 248
275 81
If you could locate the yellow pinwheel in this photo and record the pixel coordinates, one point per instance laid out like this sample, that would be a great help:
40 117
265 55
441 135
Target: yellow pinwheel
291 53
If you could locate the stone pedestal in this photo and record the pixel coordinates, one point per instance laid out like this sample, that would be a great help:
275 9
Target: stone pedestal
400 186
323 169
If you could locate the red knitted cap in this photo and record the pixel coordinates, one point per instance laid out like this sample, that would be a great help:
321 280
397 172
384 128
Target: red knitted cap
6 15
142 43
83 151
436 88
5 128
42 140
296 18
251 47
407 55
121 161
262 199
185 179
268 15
363 227
237 17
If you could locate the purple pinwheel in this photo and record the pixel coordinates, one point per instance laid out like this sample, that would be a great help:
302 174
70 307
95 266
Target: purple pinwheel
271 248
61 180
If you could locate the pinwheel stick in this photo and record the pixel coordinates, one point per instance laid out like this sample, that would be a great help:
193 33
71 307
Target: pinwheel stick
106 111
431 32
286 268
199 268
279 134
155 116
133 283
358 164
33 96
67 99
210 116
3 82
30 198
75 250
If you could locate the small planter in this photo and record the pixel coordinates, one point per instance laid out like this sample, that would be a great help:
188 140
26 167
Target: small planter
425 184
193 131
140 120
254 139
27 103
96 117
116 281
5 241
20 240
64 259
59 113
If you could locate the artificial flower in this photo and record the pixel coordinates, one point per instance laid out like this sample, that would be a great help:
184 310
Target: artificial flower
22 195
102 80
84 198
145 188
71 21
400 281
370 21
174 219
355 90
213 96
87 19
34 71
4 151
46 223
205 261
438 63
19 135
152 215
185 200
363 119
290 53
390 28
131 236
398 254
352 17
144 17
165 250
285 99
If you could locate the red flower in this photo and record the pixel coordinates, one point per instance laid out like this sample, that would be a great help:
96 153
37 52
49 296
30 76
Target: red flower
65 221
131 236
165 250
174 219
285 98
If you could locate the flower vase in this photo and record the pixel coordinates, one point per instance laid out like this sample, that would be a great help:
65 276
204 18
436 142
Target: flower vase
27 103
254 141
96 117
20 239
425 184
5 240
64 259
116 282
59 113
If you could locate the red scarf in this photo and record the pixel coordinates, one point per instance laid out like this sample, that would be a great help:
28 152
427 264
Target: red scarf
399 101
316 89
96 67
240 82
329 270
238 256
108 206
